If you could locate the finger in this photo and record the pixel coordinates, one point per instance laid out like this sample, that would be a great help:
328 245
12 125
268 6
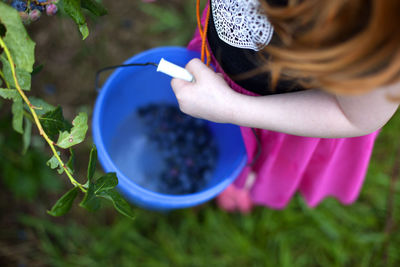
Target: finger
197 68
178 84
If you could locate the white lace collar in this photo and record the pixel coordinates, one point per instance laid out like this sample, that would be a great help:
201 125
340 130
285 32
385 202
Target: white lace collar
242 23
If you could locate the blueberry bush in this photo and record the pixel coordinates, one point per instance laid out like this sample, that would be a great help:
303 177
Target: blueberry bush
17 57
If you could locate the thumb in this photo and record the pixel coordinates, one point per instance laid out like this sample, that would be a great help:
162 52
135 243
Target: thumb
179 84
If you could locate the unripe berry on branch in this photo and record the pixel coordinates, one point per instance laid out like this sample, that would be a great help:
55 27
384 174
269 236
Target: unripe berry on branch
51 9
34 15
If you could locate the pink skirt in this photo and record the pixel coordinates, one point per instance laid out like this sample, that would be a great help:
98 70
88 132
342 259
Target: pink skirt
315 167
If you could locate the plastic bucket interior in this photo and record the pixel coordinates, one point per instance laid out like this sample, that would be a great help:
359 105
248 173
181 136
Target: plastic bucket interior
129 88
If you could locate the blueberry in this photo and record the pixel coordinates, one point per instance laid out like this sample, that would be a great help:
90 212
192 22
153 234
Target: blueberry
174 172
50 89
37 7
189 161
19 5
199 123
190 136
185 182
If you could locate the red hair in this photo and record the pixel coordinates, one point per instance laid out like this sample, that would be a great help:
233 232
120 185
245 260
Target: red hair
341 46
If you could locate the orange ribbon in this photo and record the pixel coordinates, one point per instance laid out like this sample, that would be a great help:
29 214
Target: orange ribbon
203 33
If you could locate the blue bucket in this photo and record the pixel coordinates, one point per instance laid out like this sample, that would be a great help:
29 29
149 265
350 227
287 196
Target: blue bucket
124 92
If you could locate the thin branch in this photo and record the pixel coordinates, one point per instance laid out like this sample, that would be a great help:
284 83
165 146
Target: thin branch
36 118
390 224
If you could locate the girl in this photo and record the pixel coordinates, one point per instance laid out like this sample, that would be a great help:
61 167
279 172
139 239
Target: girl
315 79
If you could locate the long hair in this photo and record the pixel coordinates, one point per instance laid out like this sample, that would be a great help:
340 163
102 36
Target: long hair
341 46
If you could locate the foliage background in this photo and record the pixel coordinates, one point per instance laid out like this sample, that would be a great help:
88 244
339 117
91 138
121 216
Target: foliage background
363 234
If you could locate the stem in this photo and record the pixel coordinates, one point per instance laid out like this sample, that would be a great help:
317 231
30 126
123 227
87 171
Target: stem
390 221
35 117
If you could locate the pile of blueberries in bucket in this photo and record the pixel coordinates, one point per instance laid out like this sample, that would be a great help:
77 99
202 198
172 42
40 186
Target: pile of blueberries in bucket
186 146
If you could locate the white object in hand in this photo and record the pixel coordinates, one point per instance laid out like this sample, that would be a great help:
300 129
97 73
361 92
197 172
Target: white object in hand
174 70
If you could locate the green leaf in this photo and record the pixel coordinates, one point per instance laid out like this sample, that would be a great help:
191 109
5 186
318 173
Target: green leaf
53 122
92 164
84 31
23 77
64 204
107 182
11 94
94 7
17 109
26 138
77 134
37 69
74 10
90 200
54 163
16 39
42 107
71 161
119 203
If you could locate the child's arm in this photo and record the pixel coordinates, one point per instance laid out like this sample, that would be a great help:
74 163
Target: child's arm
310 113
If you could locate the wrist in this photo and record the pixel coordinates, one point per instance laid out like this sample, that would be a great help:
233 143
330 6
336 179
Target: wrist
232 108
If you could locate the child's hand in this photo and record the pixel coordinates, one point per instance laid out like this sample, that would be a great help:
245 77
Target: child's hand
208 97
